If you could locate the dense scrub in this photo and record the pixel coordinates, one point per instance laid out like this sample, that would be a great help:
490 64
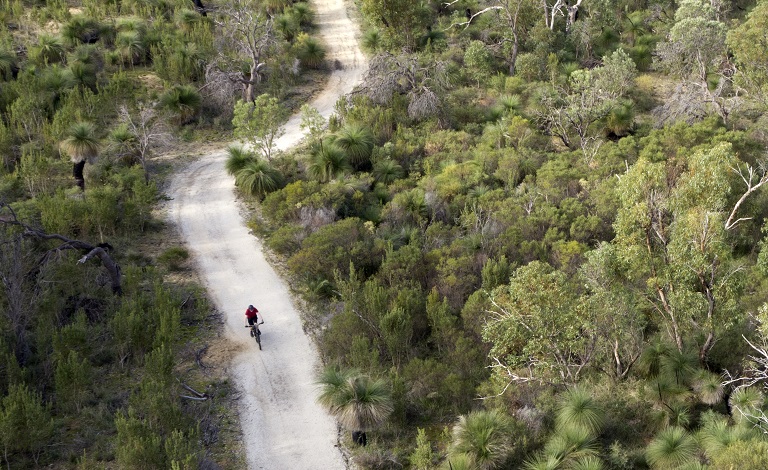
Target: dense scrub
545 230
103 333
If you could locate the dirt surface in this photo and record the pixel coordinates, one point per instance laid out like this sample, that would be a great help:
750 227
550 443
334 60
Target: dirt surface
283 426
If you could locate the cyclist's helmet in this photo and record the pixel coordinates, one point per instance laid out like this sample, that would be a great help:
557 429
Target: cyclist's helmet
250 307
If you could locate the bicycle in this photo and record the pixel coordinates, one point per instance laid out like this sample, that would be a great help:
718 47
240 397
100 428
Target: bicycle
256 333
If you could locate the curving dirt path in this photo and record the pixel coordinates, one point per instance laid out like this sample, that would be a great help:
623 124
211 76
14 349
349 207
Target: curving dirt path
283 427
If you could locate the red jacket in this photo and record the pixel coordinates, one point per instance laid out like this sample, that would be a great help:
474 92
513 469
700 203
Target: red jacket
251 313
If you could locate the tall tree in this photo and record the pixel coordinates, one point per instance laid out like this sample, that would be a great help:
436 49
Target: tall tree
403 20
514 18
748 43
694 50
570 113
671 234
141 133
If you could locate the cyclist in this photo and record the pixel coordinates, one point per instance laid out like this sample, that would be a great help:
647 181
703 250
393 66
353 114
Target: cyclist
251 315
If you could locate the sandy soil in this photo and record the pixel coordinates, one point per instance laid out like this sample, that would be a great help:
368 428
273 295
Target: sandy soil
283 426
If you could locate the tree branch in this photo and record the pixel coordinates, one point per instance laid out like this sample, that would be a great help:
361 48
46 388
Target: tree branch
68 244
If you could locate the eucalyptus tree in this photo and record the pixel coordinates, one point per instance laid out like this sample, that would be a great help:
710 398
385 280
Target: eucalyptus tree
621 325
747 43
513 19
694 50
571 113
673 240
540 330
402 20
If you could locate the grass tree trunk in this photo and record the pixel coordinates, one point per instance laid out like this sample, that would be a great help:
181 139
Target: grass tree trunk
77 172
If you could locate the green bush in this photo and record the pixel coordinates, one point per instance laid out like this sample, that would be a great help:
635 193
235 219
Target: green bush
174 257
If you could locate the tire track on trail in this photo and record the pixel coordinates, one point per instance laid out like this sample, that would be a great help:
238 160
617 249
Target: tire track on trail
283 427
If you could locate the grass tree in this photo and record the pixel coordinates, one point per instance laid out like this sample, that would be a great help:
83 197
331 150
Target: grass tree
486 435
303 13
357 142
360 403
131 47
258 178
543 462
83 75
237 157
588 463
81 30
80 145
371 41
578 409
8 63
310 52
183 102
288 26
328 162
672 448
578 423
387 171
49 49
459 462
746 404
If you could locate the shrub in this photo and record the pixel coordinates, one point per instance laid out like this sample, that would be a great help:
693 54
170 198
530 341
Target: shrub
174 257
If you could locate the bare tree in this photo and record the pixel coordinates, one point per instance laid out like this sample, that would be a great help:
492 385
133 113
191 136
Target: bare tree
389 74
148 132
246 37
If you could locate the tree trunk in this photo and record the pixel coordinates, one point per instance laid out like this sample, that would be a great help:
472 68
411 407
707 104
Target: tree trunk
200 7
109 264
513 57
77 172
359 438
